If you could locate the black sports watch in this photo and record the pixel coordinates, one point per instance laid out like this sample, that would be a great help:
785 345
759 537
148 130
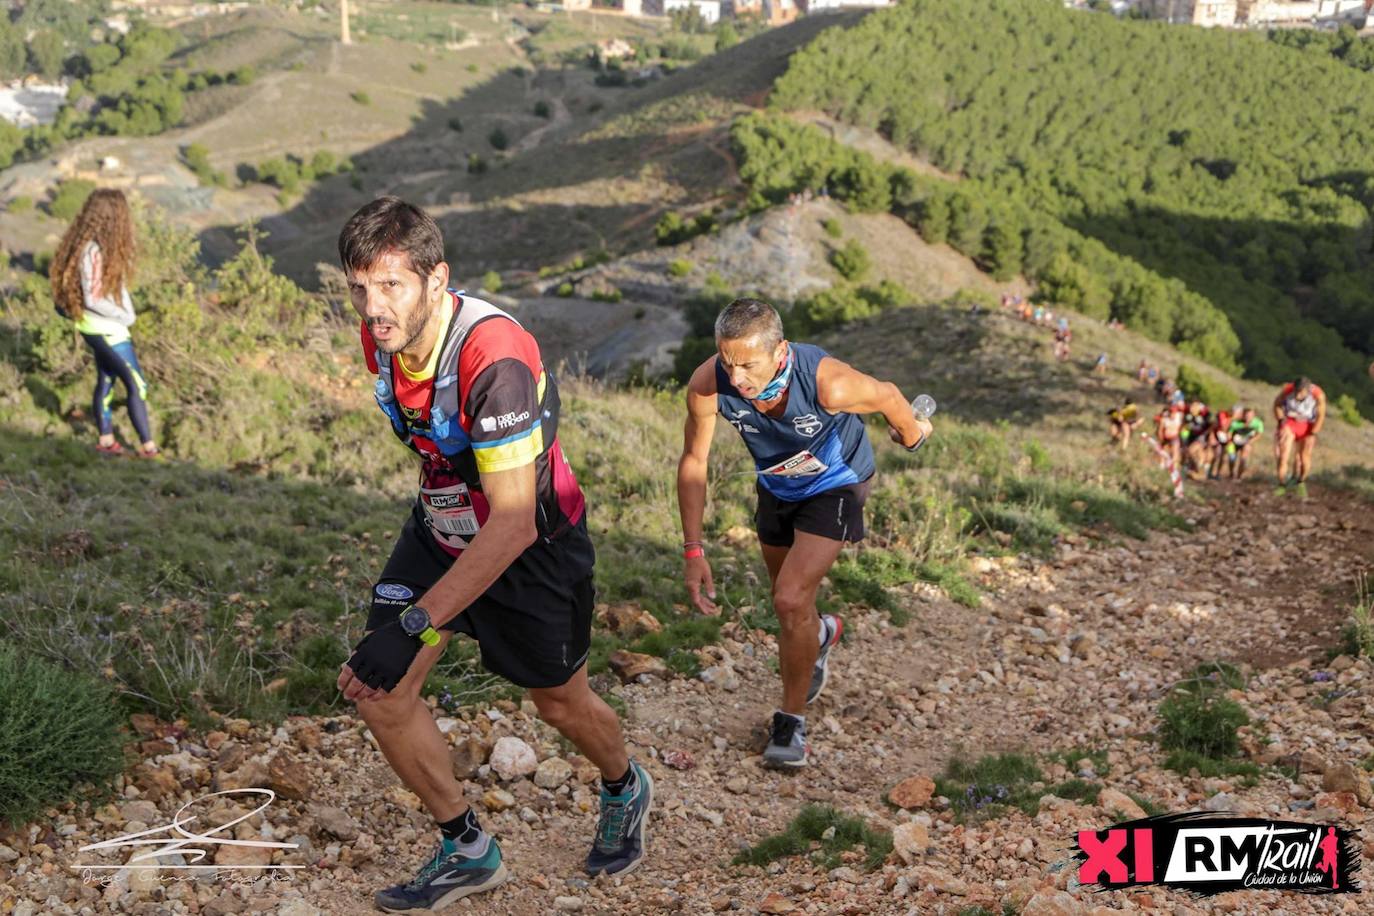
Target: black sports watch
415 622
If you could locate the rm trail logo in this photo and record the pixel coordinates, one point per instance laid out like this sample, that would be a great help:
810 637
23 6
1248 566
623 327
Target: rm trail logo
1209 855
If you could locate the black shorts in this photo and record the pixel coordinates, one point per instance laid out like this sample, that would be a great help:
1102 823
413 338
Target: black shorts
533 625
837 514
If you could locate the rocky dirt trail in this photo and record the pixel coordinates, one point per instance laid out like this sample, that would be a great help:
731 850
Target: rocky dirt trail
1071 651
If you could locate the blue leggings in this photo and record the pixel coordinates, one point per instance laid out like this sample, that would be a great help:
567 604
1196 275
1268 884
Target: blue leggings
117 361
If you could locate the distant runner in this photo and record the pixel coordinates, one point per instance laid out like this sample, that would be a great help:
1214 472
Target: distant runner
90 274
1300 410
1124 420
495 546
799 412
1245 429
1169 432
1196 422
1218 436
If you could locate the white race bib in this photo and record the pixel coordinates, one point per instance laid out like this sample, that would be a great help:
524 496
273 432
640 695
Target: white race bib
802 464
450 510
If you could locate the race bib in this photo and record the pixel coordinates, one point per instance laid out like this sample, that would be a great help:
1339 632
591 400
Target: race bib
802 464
450 510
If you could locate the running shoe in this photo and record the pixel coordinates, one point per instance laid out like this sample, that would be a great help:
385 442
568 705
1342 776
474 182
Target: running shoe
114 448
622 835
787 747
833 627
448 876
1301 489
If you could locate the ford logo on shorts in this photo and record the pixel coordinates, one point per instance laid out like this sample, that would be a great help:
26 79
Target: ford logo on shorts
394 592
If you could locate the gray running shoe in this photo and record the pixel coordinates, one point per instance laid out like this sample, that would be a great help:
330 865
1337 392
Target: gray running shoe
834 627
787 745
447 877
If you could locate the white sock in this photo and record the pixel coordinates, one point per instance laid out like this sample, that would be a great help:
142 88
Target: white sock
824 632
801 719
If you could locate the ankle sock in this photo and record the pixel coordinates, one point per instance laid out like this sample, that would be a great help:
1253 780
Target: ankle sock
619 786
463 831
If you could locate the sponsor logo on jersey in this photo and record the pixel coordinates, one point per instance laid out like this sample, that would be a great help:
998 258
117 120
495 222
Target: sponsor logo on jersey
505 421
394 592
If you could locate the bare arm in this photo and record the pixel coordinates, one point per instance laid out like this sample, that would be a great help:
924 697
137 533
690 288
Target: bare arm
507 532
691 478
1321 413
844 389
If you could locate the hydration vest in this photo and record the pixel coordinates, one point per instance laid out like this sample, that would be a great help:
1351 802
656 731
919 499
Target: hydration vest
445 429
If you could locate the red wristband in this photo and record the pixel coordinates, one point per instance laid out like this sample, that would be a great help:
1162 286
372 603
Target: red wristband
691 553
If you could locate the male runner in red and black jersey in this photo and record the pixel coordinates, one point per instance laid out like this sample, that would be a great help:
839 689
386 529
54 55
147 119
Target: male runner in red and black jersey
496 547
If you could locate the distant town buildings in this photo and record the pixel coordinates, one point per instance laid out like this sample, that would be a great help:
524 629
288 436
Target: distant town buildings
771 12
811 7
709 10
1253 14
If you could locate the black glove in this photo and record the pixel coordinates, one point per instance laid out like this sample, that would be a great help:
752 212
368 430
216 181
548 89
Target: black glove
384 656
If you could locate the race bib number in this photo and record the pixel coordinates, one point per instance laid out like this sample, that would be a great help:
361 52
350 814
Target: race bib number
450 510
802 464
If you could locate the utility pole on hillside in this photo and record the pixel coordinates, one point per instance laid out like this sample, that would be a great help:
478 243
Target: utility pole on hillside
344 37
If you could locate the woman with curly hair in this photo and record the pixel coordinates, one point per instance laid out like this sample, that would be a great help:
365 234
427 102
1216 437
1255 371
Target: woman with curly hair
89 274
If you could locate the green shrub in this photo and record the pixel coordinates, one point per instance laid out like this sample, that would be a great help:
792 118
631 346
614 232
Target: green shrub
58 736
565 289
419 66
851 261
243 75
679 267
21 204
1202 722
673 228
826 834
491 281
832 228
612 295
471 68
829 308
542 109
455 124
69 197
1193 384
498 139
197 159
1359 632
476 164
1348 410
362 98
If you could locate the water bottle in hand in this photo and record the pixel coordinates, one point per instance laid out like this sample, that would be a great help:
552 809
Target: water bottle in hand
923 406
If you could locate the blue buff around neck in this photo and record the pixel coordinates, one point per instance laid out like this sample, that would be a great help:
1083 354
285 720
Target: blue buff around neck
779 384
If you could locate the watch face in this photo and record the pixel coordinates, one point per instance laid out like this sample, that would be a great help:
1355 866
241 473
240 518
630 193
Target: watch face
414 620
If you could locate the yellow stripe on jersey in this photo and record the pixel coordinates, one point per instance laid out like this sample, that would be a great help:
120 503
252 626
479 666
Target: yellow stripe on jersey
511 452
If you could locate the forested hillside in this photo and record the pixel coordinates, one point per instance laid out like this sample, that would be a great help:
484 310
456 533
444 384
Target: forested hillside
1237 165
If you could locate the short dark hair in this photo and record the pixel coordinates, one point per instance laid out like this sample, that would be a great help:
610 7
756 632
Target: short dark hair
1301 382
391 224
745 318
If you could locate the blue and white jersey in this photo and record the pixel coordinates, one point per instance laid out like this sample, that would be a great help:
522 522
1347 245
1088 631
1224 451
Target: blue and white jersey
807 450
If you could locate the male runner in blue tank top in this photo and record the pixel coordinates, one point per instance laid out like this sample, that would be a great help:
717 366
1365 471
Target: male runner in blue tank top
798 411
